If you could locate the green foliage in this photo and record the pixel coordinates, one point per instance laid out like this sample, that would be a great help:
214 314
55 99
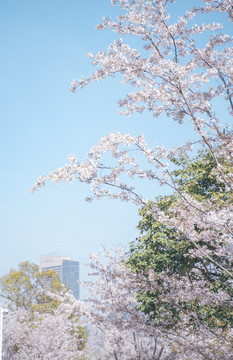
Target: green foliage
81 335
79 332
164 250
27 288
199 178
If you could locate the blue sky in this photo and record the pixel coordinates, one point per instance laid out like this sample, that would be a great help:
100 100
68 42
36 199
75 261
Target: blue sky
43 48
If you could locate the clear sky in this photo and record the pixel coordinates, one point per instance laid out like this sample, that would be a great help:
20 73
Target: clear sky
43 48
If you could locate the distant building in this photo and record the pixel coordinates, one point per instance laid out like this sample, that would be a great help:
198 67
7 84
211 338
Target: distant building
67 270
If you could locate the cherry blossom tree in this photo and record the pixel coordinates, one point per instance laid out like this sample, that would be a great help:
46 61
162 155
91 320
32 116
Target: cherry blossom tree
183 70
126 333
41 323
44 336
112 308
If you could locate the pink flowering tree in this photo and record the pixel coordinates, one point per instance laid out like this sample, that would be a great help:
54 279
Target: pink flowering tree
125 333
183 70
35 336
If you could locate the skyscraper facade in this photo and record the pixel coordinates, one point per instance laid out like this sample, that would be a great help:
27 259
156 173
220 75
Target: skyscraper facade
67 270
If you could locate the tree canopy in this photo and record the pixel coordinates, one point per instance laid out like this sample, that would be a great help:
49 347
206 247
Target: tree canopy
162 249
28 288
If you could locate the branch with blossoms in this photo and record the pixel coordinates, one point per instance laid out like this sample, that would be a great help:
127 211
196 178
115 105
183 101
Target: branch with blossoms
102 178
173 76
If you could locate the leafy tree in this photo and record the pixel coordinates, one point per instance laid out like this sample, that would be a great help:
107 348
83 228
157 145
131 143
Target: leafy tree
162 248
27 288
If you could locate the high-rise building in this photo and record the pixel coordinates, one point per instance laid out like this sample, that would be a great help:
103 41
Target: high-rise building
67 269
